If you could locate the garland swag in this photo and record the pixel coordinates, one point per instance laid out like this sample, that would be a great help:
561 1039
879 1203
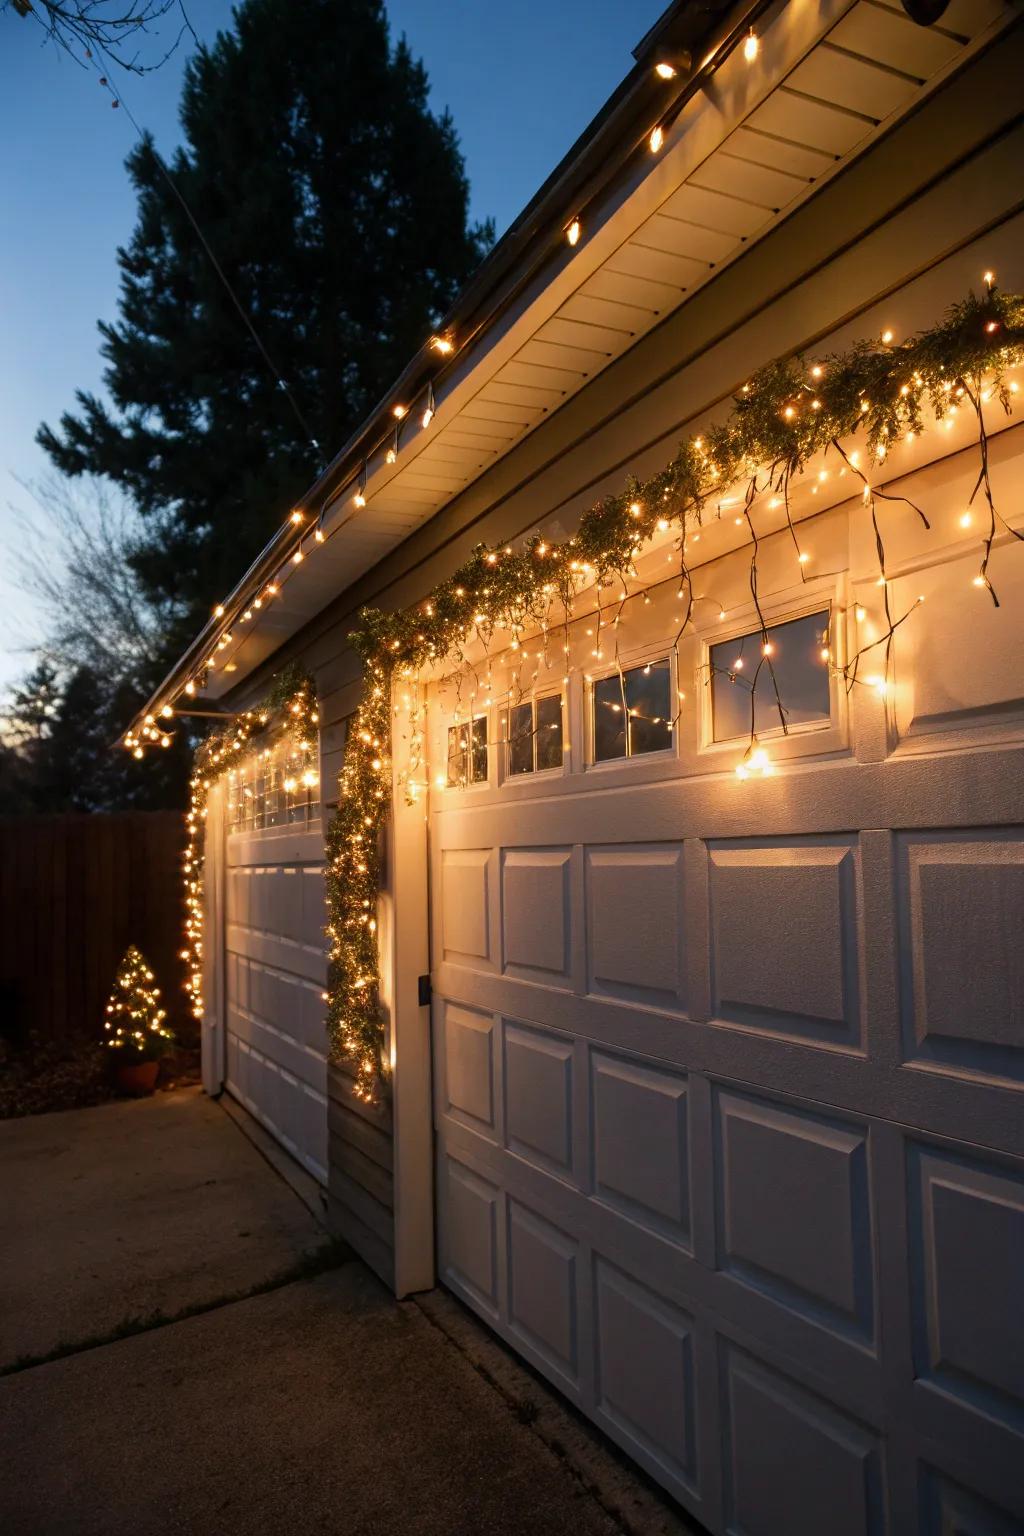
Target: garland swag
788 412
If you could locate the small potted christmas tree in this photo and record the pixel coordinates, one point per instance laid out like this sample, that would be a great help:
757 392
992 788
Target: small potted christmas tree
134 1026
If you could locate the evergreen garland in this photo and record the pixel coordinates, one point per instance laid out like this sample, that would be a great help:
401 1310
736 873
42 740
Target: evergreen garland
877 393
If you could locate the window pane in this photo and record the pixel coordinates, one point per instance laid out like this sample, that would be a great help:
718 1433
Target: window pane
479 765
549 732
609 720
649 698
800 671
520 739
458 738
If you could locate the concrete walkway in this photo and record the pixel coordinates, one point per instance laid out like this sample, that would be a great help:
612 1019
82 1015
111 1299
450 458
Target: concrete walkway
317 1405
143 1206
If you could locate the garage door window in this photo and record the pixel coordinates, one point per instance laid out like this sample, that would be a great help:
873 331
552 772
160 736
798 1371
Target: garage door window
276 787
740 675
535 735
467 753
633 712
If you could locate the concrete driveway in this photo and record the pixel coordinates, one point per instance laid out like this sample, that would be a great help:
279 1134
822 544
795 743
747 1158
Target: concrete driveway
313 1404
111 1214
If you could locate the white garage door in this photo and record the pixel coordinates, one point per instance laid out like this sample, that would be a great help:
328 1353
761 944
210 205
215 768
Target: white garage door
276 971
727 1074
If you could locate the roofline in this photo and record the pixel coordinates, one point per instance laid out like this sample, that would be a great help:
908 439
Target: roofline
612 140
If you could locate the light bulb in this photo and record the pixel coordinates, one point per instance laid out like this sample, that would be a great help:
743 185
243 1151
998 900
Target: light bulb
751 47
664 70
573 233
656 139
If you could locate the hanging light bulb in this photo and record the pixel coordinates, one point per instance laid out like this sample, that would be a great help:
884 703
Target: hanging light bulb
656 139
574 231
428 414
751 47
664 70
359 499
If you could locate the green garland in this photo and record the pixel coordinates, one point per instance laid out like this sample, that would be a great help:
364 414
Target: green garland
786 414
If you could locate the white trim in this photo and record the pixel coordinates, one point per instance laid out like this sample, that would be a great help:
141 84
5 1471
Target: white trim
407 957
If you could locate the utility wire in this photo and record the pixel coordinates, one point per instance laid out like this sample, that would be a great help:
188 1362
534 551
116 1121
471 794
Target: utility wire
282 384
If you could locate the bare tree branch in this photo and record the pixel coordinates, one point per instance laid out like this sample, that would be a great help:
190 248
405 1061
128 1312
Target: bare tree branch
71 556
107 27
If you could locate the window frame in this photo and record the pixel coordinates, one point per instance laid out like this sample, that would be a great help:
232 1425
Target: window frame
632 660
805 738
451 725
506 777
261 767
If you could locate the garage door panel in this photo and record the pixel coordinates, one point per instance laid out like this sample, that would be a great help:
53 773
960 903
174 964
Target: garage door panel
793 1462
932 1101
784 934
540 1095
946 1505
284 954
966 1220
469 1245
543 1291
646 1375
635 947
467 1078
276 968
536 914
961 917
640 1144
793 1210
466 898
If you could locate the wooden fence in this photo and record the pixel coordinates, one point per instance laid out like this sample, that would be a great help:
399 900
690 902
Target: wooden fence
75 891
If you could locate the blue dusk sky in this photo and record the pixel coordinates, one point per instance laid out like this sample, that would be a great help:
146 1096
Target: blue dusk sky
522 81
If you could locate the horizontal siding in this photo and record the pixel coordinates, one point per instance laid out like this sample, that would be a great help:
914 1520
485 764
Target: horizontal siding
360 1173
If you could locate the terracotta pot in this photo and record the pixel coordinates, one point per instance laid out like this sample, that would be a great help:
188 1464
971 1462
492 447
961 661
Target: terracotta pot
137 1077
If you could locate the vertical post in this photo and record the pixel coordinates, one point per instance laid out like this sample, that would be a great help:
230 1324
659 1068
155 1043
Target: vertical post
214 981
410 1035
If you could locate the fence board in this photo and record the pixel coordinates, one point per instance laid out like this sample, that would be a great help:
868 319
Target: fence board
75 891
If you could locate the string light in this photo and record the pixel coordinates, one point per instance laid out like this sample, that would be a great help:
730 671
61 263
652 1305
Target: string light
751 47
480 599
290 707
134 1019
656 139
573 232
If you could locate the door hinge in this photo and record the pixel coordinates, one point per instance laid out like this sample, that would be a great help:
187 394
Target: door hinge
424 991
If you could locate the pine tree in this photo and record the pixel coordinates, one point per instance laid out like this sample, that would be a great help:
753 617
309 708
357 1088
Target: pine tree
134 1022
336 203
